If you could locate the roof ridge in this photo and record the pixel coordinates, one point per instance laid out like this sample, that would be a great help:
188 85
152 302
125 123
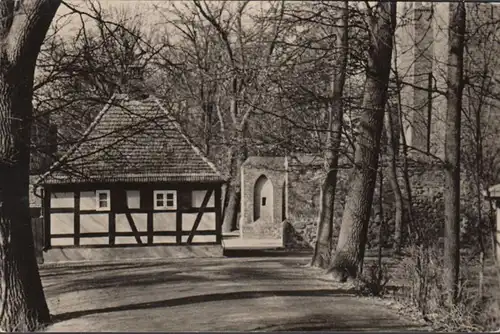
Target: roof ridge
85 136
195 148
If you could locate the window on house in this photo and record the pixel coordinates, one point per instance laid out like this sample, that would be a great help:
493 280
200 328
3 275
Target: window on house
165 199
102 200
264 201
133 199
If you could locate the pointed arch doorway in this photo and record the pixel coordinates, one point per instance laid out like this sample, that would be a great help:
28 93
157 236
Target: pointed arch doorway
263 199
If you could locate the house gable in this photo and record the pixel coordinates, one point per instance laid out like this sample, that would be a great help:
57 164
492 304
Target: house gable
134 141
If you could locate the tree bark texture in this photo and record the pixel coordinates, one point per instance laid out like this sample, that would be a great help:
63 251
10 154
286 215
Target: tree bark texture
392 176
352 238
238 156
452 148
323 246
404 154
23 25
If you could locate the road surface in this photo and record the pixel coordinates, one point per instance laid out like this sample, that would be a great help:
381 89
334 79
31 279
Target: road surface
227 294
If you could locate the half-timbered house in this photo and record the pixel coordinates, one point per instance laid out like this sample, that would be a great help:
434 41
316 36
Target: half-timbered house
134 185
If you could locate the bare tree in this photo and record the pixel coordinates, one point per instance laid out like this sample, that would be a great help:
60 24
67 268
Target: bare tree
452 148
243 54
23 25
78 73
392 151
322 249
352 239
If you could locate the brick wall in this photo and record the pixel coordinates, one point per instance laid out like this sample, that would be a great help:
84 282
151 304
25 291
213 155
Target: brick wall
427 190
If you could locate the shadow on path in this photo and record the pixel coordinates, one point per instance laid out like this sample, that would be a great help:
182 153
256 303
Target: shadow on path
204 298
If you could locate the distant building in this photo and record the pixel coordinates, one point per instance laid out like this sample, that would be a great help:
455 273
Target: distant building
421 53
276 189
134 180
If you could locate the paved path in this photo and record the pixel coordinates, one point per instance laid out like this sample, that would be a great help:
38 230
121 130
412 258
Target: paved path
240 294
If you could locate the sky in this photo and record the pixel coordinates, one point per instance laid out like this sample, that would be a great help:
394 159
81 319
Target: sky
70 21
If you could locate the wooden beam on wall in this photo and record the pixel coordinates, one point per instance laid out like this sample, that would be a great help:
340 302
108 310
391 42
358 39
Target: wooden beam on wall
133 227
150 227
197 221
112 228
76 216
46 217
218 214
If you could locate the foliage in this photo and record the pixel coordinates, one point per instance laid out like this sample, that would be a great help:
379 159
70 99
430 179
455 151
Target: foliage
373 280
422 286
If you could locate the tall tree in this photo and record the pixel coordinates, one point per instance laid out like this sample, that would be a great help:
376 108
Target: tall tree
392 151
23 25
322 249
77 73
381 19
231 49
452 147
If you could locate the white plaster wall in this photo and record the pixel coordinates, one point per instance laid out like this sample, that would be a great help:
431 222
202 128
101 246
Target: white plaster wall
94 241
62 200
207 222
140 220
161 239
164 221
62 223
87 200
197 197
94 223
200 238
62 241
130 240
133 199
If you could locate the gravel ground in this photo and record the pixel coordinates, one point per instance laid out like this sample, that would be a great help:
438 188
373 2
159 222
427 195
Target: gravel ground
226 294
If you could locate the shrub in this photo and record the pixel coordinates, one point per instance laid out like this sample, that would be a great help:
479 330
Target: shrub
373 280
422 285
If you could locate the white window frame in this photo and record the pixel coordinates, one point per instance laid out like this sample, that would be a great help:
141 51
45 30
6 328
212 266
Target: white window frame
108 200
165 206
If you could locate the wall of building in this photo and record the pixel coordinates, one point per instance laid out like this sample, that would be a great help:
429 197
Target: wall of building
73 218
262 228
427 190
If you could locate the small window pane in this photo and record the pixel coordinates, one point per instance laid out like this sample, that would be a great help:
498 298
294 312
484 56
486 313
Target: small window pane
159 196
102 201
170 196
159 203
170 203
263 201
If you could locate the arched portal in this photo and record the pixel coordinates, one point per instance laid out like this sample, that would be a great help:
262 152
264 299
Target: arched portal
263 199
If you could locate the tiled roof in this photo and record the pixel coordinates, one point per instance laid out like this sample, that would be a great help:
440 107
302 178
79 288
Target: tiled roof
136 141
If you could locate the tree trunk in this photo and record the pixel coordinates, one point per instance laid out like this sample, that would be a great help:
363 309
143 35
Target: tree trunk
323 246
23 25
23 303
452 149
381 230
393 181
352 239
238 156
404 148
